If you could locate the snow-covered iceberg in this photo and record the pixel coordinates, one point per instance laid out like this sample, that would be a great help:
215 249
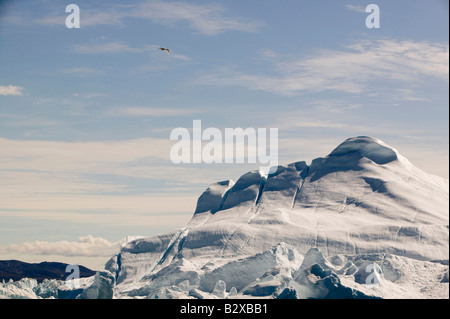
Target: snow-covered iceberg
364 198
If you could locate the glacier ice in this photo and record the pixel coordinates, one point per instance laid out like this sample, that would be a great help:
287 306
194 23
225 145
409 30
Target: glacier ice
242 272
99 286
309 276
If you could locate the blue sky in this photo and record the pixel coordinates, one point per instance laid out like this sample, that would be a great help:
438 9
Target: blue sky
86 114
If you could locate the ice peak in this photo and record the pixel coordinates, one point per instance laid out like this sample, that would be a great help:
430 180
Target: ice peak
212 199
368 147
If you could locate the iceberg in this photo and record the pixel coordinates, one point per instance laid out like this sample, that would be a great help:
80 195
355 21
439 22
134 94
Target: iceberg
362 222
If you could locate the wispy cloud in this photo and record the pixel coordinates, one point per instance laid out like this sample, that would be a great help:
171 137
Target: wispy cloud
56 156
111 47
11 90
42 169
355 8
112 15
335 106
25 120
407 95
350 70
81 71
133 111
119 47
206 19
52 179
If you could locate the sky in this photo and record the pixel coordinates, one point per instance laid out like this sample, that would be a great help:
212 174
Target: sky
86 113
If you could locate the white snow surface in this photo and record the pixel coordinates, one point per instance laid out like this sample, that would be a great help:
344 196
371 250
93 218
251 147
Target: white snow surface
305 231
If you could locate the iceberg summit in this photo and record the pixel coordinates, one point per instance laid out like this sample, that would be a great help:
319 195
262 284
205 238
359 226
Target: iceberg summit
362 222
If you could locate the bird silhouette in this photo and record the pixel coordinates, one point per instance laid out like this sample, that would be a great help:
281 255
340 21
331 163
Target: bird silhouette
165 49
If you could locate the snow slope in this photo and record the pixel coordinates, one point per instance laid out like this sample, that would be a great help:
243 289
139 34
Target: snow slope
362 222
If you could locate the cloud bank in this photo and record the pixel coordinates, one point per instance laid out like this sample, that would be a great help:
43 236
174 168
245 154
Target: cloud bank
86 246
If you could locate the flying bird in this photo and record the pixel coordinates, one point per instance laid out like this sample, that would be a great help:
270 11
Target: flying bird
164 49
